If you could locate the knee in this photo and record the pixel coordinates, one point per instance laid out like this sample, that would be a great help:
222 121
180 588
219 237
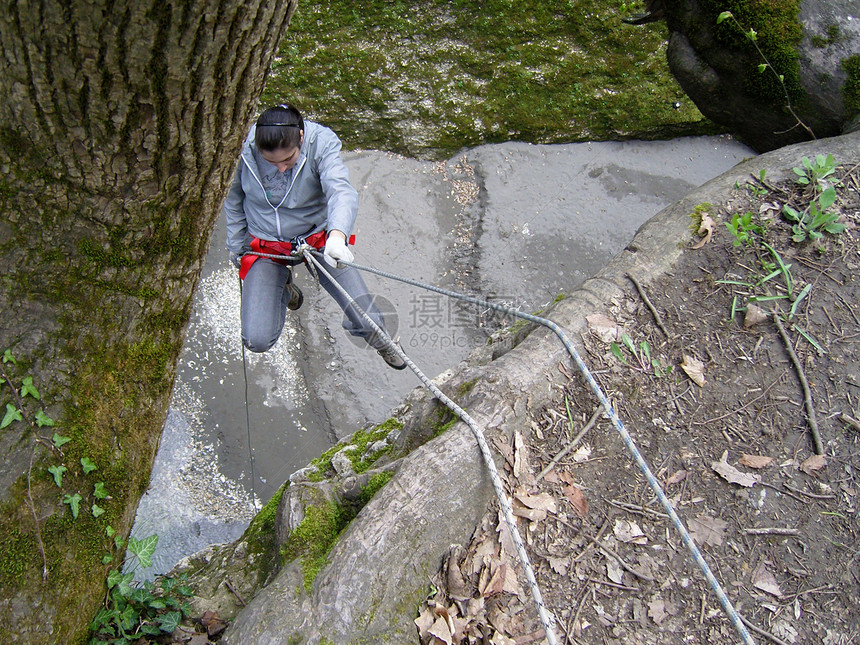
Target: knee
258 344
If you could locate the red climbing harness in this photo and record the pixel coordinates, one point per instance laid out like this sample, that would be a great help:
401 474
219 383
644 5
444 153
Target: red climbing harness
317 241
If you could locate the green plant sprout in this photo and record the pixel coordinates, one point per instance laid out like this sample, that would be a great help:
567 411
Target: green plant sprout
815 218
743 229
752 36
815 173
642 354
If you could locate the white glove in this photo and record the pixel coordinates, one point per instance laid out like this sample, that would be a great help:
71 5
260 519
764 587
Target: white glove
336 250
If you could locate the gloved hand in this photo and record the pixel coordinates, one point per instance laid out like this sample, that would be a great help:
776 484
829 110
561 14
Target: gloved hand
336 250
236 259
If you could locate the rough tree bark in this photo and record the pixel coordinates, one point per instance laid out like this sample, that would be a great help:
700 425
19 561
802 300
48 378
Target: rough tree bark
120 124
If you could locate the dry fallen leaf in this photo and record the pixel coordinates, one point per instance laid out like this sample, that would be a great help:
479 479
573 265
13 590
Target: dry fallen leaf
754 316
706 230
764 580
657 610
577 499
603 327
732 474
628 531
705 529
813 464
559 565
754 461
614 571
695 369
676 477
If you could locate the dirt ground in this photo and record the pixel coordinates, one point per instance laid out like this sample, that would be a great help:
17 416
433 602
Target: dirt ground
734 452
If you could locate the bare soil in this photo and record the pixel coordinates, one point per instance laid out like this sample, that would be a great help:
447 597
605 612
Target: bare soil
777 524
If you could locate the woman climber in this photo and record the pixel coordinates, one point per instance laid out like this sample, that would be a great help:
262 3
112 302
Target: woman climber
292 187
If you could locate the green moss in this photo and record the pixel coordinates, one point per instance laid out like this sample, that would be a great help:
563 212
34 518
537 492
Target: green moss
374 485
260 532
445 419
314 537
851 89
696 216
778 33
359 442
429 77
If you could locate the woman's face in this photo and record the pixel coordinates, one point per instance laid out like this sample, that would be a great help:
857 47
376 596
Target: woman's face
282 158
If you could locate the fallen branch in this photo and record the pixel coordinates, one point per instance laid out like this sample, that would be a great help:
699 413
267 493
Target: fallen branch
854 423
235 592
761 632
807 394
772 531
812 495
571 445
647 302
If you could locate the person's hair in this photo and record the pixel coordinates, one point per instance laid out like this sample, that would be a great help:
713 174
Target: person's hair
279 127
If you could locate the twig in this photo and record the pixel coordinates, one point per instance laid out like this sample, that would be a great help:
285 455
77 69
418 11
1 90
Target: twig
761 632
621 561
854 423
613 585
807 394
812 495
781 491
772 531
594 540
36 519
235 592
772 189
651 308
581 604
571 445
640 510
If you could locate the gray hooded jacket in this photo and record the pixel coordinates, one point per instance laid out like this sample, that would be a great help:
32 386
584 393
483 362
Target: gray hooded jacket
319 195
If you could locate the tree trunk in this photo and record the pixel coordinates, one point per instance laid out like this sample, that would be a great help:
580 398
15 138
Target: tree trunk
120 123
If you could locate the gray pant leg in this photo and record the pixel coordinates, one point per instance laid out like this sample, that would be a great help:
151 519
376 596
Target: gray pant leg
354 323
264 304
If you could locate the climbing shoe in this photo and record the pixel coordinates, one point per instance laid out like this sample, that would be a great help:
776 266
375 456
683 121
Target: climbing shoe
390 356
296 297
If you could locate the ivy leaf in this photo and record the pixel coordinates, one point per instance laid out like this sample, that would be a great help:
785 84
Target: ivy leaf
8 358
12 414
28 389
97 510
88 465
60 441
74 502
109 531
143 549
107 558
169 621
99 492
761 68
724 16
114 578
43 419
57 472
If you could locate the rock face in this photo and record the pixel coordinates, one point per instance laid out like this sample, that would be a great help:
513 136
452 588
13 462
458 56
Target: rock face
816 50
